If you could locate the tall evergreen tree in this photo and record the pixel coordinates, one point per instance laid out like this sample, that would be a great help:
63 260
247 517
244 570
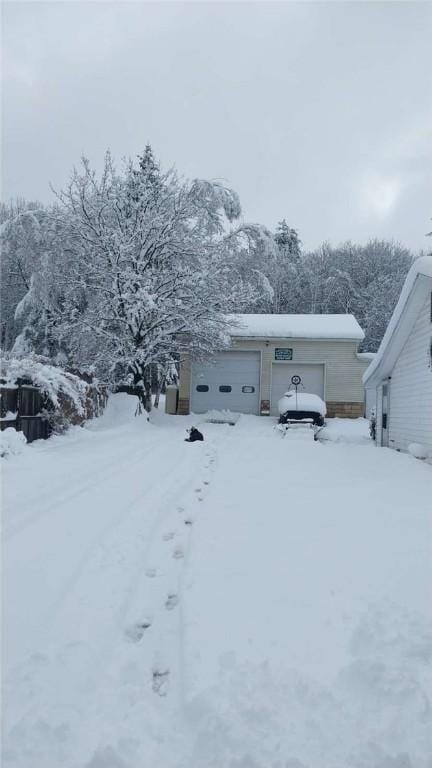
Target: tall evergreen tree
148 166
288 241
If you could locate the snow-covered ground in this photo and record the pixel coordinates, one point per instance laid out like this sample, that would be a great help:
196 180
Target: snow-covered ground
251 601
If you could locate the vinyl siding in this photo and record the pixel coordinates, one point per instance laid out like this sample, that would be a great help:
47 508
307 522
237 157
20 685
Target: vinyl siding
410 416
379 415
370 401
343 370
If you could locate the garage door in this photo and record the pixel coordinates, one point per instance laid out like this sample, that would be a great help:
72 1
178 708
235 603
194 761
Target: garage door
230 381
312 380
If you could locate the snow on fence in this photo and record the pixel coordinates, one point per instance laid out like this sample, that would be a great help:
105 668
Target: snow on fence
38 399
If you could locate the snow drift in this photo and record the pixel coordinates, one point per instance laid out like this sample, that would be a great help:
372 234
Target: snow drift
11 442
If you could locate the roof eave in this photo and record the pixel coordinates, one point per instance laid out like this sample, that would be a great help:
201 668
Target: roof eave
357 340
381 368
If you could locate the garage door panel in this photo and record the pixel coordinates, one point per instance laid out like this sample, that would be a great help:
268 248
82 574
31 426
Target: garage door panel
312 380
237 370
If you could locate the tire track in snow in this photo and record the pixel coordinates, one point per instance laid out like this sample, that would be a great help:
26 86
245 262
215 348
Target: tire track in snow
96 479
81 655
47 620
120 519
105 656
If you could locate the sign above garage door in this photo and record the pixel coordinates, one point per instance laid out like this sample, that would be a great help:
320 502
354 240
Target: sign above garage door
283 353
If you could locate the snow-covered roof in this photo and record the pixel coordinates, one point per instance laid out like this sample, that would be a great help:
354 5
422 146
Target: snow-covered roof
416 286
296 326
366 355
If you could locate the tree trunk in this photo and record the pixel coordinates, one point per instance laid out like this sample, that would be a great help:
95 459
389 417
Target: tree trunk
141 387
159 388
146 383
147 398
157 397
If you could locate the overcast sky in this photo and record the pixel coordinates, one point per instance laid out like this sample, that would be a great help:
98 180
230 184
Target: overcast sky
316 112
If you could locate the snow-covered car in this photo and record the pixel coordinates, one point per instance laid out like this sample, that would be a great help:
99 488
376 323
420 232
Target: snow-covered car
301 406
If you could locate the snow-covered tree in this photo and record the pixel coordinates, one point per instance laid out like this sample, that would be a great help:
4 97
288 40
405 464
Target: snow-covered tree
127 266
21 240
288 241
150 265
365 280
36 313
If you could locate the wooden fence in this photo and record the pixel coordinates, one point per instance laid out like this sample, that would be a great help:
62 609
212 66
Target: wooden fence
25 408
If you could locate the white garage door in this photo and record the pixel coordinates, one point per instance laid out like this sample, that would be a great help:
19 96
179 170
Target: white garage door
312 380
230 381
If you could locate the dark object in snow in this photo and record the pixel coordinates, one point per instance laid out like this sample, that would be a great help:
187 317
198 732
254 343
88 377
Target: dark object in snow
305 416
194 435
304 407
160 681
136 632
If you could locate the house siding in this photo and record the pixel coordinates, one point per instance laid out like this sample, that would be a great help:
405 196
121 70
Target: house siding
410 417
371 401
379 411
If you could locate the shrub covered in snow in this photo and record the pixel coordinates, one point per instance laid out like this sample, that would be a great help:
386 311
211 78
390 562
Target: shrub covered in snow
64 398
11 442
53 382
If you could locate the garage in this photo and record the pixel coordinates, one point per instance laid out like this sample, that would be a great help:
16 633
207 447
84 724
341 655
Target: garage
312 380
230 381
265 352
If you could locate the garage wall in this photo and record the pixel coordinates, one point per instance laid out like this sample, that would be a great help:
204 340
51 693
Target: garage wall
344 390
344 370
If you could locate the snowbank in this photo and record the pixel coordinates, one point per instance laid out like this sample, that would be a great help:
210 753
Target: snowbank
9 416
346 431
221 417
120 408
303 401
11 442
418 450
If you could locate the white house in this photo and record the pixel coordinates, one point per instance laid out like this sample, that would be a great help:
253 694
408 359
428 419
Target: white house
399 379
266 351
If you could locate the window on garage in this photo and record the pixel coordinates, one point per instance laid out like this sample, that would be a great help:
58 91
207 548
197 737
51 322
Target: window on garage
248 390
202 388
224 388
